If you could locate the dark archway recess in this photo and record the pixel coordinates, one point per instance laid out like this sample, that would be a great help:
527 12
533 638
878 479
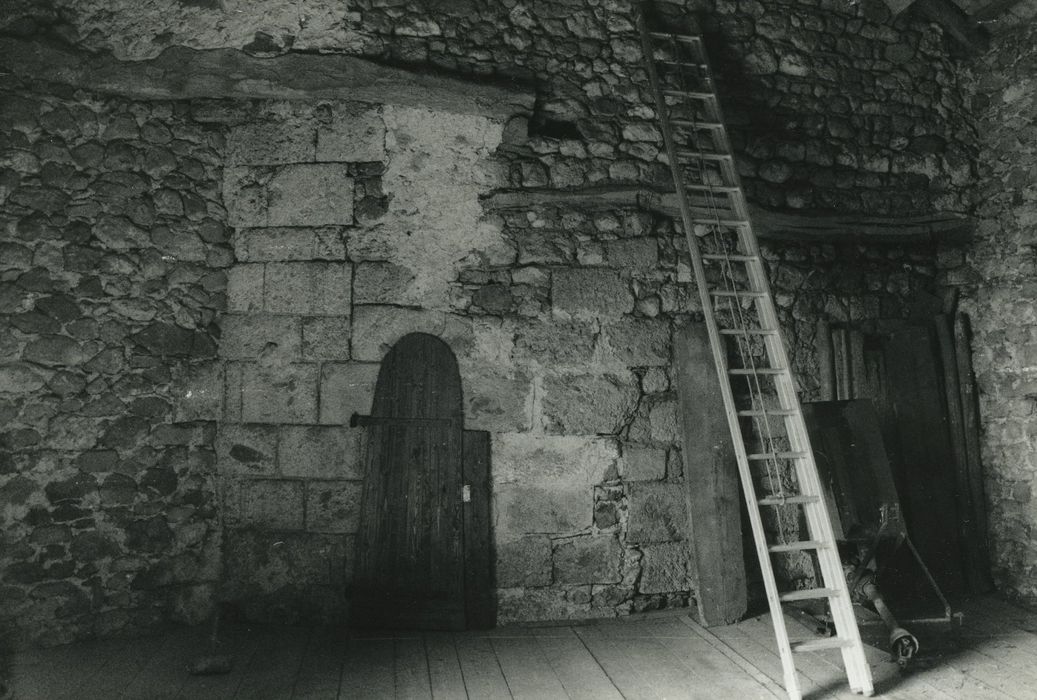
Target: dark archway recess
423 546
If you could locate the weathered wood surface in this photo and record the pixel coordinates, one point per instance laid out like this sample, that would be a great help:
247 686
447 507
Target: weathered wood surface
946 227
990 657
711 477
480 599
183 73
410 556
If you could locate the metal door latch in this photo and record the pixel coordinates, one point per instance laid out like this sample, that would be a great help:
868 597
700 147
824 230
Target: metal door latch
466 493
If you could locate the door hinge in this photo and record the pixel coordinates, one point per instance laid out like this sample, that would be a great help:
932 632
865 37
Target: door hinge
466 493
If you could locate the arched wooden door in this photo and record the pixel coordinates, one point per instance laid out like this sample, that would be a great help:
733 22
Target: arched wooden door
423 541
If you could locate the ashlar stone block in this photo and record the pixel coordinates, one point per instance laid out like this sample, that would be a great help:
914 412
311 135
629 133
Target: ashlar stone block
589 404
644 463
666 568
524 561
270 143
321 452
353 134
245 288
497 398
657 512
588 559
308 288
635 342
326 338
314 194
279 394
291 243
346 388
274 504
246 450
333 506
251 336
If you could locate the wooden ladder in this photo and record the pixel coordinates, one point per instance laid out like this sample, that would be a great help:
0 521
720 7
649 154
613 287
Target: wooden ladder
776 465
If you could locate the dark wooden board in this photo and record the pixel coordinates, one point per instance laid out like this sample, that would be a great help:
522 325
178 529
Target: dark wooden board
410 558
711 476
921 456
480 601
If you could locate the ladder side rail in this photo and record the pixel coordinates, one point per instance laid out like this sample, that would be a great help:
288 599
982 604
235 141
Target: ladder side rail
817 514
720 362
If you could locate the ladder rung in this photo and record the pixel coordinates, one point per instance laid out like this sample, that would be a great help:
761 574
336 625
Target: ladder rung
748 331
667 62
753 413
820 644
714 189
730 258
695 95
731 223
750 294
797 547
808 594
689 124
702 155
765 371
762 456
787 500
683 38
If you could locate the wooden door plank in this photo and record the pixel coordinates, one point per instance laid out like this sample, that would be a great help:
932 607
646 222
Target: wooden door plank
711 478
320 673
480 668
274 667
238 642
526 670
444 668
479 587
580 675
715 673
412 671
368 669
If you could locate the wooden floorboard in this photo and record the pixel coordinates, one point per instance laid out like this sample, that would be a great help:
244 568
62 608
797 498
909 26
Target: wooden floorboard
577 671
444 668
480 669
993 656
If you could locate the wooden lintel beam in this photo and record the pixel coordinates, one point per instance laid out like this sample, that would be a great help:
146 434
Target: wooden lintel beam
963 28
793 226
993 10
183 73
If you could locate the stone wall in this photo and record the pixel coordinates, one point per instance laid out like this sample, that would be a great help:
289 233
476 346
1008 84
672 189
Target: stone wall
111 255
1002 302
834 105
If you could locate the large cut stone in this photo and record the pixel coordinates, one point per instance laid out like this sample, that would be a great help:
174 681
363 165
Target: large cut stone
333 506
355 133
320 452
657 512
326 338
643 463
524 561
589 404
666 568
245 288
270 143
346 388
278 394
385 283
588 559
246 450
251 336
546 484
556 344
497 399
308 288
274 504
267 562
590 292
634 342
198 390
282 244
302 194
